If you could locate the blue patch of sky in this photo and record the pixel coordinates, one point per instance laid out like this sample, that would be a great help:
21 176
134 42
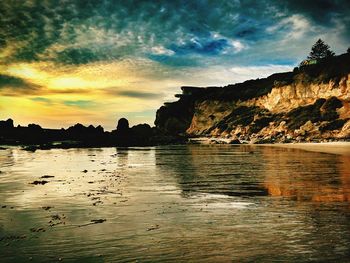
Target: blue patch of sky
282 62
201 46
139 116
174 61
79 103
187 54
41 99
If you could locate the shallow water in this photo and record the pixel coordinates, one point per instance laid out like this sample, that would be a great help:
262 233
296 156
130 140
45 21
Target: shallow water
197 203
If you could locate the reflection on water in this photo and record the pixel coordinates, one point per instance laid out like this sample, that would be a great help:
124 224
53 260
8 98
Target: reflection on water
195 203
323 178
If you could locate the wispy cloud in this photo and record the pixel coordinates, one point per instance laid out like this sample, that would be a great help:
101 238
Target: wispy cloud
42 100
293 27
134 94
160 50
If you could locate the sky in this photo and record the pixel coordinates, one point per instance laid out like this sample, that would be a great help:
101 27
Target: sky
94 61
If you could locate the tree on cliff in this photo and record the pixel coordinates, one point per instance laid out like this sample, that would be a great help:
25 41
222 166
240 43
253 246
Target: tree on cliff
348 50
320 50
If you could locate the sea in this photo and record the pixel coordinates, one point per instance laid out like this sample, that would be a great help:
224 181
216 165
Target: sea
181 203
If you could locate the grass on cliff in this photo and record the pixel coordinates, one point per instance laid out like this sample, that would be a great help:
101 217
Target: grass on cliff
333 68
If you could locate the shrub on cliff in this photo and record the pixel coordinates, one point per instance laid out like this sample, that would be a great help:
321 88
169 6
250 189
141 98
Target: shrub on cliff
333 125
328 110
299 116
321 110
261 123
244 116
332 104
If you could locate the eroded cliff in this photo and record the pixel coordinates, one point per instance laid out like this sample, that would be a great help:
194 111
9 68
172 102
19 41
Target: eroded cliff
310 103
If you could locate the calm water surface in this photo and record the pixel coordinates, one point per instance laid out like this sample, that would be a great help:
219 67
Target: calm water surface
174 203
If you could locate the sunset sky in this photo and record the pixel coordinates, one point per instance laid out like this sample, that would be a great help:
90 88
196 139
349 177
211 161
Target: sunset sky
95 61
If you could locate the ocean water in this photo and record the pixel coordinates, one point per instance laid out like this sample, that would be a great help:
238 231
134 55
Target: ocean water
194 203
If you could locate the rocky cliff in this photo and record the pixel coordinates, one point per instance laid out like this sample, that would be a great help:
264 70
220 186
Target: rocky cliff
312 103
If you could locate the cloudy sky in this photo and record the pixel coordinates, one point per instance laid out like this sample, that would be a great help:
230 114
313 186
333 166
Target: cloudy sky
94 61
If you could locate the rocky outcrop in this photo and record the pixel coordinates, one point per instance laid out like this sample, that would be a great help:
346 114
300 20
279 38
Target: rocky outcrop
312 103
6 125
174 118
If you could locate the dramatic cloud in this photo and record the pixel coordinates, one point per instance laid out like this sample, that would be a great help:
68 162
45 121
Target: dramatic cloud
13 86
9 81
320 11
76 50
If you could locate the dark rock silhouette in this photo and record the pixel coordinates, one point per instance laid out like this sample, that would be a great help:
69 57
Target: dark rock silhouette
35 137
141 133
122 133
141 130
6 125
123 127
80 132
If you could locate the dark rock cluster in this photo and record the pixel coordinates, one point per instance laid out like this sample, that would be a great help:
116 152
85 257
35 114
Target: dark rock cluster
35 137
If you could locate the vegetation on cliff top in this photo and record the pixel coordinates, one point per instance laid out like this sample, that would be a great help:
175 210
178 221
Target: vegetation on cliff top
328 67
320 50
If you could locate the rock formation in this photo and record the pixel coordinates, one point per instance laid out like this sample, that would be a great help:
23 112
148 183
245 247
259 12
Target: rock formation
35 137
312 103
123 127
6 125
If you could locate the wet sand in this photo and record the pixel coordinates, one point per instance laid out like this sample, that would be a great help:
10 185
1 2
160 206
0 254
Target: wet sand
342 148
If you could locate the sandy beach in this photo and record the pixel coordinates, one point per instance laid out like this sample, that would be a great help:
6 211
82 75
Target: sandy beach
342 148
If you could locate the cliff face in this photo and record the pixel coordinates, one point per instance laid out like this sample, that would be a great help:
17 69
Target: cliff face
310 103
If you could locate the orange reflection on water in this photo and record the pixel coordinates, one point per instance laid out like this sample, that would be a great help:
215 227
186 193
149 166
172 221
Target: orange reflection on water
325 178
342 194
